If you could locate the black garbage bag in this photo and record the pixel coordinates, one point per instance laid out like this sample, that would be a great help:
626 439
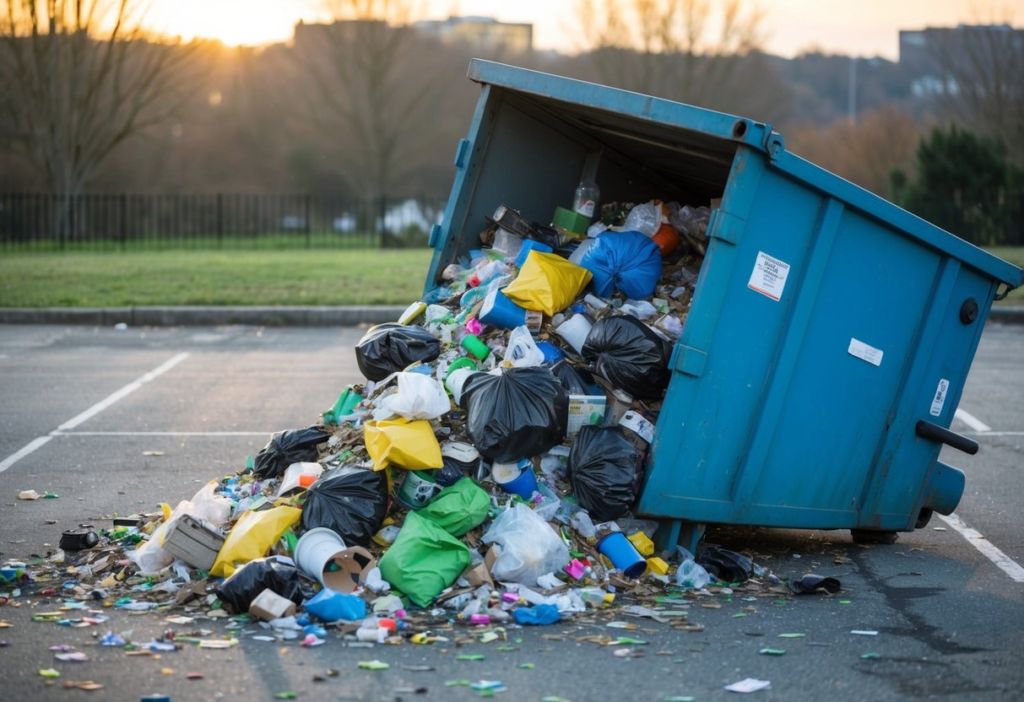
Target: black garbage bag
603 471
520 413
574 380
727 566
625 352
285 448
245 584
812 584
350 501
387 348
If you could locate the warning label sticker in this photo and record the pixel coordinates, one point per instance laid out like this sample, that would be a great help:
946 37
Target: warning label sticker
864 352
768 276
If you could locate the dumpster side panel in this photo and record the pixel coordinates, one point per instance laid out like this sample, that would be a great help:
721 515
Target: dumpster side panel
931 393
794 403
729 344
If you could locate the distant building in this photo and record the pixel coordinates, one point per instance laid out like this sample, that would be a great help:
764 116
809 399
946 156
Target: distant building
481 33
921 49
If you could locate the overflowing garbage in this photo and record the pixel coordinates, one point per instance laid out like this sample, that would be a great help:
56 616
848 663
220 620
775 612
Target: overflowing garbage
482 476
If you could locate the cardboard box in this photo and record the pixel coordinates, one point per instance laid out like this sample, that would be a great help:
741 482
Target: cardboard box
584 410
193 542
269 605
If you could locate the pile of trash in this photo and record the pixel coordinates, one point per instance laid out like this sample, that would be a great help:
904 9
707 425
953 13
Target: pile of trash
484 472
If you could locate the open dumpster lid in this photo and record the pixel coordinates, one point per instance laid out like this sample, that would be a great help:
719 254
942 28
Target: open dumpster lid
696 147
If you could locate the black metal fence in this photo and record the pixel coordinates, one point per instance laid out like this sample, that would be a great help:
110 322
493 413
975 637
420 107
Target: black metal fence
41 222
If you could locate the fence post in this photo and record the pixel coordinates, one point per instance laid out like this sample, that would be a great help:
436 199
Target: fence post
220 220
309 228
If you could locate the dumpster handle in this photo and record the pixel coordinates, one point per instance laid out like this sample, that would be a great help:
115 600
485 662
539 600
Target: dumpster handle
933 432
1007 289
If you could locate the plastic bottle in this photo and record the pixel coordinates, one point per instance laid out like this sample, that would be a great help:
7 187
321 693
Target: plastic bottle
586 198
596 597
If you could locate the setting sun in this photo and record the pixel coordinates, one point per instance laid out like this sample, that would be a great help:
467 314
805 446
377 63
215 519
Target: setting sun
232 22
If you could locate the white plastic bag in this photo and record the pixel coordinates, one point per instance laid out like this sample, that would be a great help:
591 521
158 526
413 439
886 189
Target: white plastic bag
522 350
529 546
645 218
419 397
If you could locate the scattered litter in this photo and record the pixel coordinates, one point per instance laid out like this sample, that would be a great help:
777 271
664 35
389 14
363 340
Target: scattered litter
373 665
76 656
749 685
864 632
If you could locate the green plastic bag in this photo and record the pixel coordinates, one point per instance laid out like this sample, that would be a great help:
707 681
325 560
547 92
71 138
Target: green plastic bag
458 508
424 560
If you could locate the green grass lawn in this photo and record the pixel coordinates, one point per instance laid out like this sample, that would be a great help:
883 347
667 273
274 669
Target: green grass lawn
293 277
289 277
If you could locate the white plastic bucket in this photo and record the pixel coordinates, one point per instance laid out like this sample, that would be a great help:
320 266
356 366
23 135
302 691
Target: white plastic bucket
456 381
575 330
315 550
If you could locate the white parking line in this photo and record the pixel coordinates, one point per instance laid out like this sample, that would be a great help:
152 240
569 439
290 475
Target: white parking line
991 552
92 411
162 433
970 420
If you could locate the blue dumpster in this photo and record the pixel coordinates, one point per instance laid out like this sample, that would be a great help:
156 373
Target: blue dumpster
830 332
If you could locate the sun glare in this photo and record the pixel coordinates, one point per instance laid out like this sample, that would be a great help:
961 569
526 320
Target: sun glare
232 22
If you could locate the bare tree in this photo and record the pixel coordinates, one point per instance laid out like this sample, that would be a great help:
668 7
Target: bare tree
696 51
981 80
79 79
374 85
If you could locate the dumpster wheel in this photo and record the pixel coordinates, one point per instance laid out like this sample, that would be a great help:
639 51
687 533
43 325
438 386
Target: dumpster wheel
869 536
923 517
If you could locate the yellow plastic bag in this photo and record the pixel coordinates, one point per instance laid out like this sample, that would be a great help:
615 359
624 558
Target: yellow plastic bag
403 444
252 537
547 283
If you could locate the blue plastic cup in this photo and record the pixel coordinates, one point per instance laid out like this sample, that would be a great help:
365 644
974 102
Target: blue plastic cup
524 484
623 554
501 312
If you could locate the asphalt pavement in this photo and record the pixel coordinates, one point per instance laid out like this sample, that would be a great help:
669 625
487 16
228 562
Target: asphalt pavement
114 421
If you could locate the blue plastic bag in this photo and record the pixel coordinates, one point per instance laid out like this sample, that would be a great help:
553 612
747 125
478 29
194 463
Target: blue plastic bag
625 261
539 615
330 606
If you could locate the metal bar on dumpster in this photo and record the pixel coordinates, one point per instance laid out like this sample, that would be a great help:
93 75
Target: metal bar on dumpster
933 432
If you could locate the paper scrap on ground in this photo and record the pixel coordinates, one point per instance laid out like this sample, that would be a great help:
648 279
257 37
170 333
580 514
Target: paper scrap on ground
749 685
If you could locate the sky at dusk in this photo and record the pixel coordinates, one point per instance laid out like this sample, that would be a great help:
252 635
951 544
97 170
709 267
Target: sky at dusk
858 27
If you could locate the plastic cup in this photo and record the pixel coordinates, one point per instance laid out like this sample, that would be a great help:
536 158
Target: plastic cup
515 478
456 381
475 347
501 312
574 330
315 550
623 554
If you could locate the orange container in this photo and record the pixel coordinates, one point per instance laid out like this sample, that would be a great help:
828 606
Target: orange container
667 239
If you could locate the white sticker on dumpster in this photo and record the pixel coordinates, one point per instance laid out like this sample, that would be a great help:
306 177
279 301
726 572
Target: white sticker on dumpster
940 397
865 352
768 276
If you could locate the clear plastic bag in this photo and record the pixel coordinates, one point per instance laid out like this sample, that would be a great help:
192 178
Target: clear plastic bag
645 218
522 350
530 548
419 397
